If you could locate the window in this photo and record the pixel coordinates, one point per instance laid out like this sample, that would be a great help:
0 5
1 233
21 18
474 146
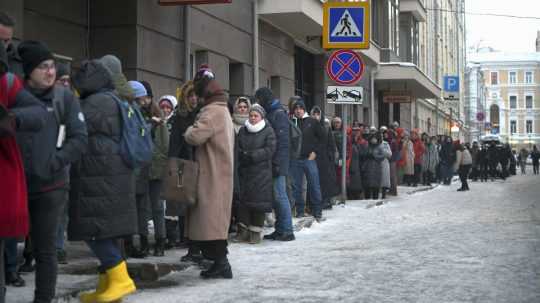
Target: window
529 102
512 77
529 127
513 102
528 77
494 78
513 127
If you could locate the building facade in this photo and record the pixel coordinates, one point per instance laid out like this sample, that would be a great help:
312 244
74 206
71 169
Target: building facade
275 43
512 81
475 102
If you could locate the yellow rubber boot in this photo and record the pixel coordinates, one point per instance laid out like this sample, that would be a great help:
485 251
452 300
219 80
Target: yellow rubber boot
119 284
90 297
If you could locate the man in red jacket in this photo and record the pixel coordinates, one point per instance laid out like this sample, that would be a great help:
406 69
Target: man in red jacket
19 110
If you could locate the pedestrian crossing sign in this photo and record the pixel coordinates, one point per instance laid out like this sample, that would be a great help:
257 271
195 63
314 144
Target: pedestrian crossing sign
346 25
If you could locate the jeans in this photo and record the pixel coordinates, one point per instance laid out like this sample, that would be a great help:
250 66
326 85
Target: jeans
62 229
45 210
282 207
309 168
142 213
535 168
107 251
10 255
158 209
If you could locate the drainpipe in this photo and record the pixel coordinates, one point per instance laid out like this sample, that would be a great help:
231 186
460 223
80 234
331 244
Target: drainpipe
374 72
255 45
187 43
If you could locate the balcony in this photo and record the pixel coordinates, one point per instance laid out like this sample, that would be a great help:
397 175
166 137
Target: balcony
415 7
301 18
404 76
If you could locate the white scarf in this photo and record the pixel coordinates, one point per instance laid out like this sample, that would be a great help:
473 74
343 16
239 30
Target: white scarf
255 128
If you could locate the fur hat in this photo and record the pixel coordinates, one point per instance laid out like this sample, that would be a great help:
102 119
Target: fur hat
32 54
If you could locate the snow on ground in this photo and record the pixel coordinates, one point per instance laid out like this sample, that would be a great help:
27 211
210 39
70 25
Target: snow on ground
432 246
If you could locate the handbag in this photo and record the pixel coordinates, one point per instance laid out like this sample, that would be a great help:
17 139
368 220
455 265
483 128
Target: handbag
180 182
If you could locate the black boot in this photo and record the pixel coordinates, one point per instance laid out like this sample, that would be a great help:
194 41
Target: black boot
221 269
194 255
14 279
159 248
142 252
27 267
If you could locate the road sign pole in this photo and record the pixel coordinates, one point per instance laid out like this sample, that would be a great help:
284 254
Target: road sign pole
344 155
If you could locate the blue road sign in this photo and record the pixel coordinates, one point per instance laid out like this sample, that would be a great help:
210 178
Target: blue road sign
451 84
345 67
346 25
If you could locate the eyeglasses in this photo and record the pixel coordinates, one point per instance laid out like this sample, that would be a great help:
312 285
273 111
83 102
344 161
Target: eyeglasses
46 66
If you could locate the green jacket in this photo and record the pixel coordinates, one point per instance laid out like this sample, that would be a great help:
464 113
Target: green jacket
161 148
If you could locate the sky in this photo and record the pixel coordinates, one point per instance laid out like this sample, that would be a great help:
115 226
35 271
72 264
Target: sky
501 33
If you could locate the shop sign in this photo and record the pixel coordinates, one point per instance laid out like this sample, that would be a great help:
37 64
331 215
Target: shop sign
397 97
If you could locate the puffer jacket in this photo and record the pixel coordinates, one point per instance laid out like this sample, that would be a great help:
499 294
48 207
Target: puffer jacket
371 165
102 196
255 152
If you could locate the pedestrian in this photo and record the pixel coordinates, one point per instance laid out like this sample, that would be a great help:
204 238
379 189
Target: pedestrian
241 112
168 104
535 157
523 155
431 159
312 136
121 85
256 147
160 138
63 75
184 117
407 159
371 166
102 207
213 135
337 132
395 147
475 152
419 150
463 166
47 156
355 186
385 164
277 117
326 151
7 25
447 156
19 111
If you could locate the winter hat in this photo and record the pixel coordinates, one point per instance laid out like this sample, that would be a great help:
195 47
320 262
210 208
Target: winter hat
148 89
372 129
62 69
114 67
138 89
299 103
384 128
316 110
258 108
112 63
32 54
202 79
168 101
264 96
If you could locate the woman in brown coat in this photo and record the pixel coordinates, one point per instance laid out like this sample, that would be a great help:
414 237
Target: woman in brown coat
213 135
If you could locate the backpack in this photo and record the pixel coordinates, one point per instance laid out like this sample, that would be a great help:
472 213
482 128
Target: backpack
295 140
136 146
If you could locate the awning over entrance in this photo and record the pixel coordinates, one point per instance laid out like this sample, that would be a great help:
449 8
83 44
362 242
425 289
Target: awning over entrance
400 76
415 7
300 18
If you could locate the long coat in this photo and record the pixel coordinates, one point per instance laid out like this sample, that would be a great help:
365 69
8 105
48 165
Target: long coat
371 165
255 152
431 158
407 156
326 152
385 165
355 181
213 135
102 197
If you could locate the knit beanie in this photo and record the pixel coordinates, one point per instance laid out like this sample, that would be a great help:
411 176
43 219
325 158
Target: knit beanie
316 110
32 54
264 96
138 89
62 69
299 103
259 109
148 88
168 101
114 67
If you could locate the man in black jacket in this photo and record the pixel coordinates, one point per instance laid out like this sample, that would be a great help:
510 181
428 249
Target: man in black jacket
312 136
47 156
6 35
280 164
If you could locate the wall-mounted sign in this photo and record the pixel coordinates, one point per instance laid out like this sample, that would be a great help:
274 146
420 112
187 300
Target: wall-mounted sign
187 2
397 97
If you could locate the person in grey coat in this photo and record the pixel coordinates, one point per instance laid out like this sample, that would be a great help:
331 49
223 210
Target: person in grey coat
430 160
385 165
371 166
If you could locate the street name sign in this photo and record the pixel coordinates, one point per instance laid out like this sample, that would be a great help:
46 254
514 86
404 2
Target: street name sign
345 67
346 25
344 94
